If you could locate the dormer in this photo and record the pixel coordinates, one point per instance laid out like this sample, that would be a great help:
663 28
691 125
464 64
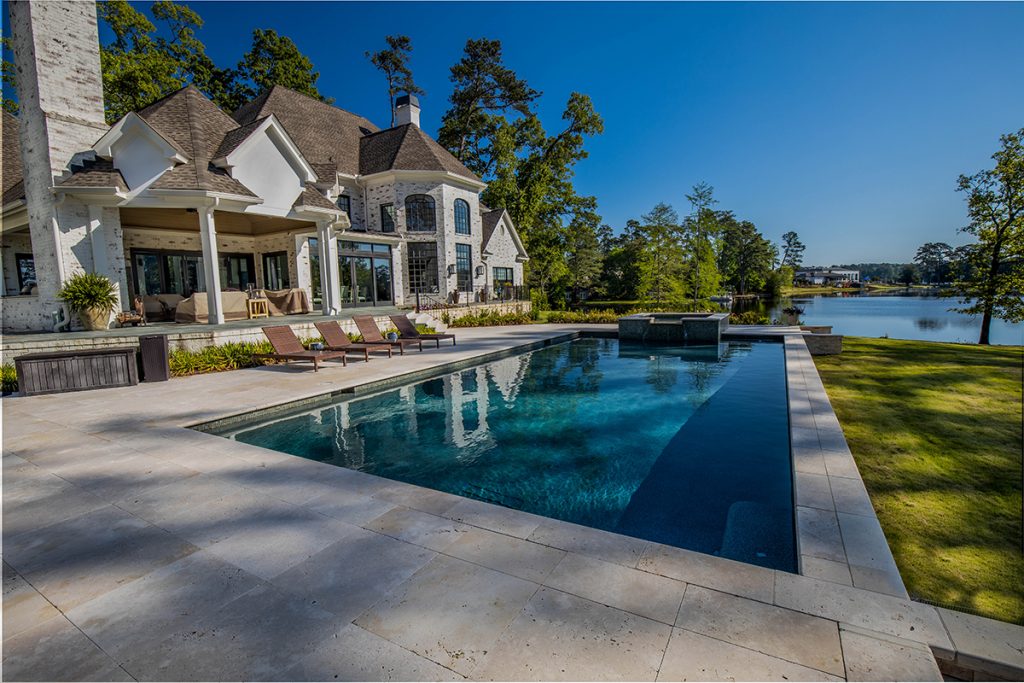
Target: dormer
263 157
138 151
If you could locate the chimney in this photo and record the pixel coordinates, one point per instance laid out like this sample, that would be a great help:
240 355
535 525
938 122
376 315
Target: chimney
407 110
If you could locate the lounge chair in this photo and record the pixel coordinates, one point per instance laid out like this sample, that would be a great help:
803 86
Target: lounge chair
371 334
408 330
335 339
288 347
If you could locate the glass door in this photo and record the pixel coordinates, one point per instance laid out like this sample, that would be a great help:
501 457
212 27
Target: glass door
363 278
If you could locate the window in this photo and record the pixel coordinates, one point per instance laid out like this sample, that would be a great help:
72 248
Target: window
502 276
345 204
461 217
419 213
464 267
503 282
314 270
387 217
275 270
26 265
423 267
365 273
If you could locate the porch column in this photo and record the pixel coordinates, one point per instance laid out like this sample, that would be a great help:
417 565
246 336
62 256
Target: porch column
211 265
330 280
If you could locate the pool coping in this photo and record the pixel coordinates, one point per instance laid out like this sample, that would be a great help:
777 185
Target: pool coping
856 609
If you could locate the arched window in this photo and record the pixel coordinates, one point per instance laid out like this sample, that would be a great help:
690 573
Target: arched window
461 217
419 213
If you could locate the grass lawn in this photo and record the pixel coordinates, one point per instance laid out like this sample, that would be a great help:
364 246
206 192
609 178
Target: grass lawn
936 432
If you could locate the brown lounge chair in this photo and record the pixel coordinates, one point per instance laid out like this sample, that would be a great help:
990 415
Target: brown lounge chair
371 334
335 339
288 347
408 330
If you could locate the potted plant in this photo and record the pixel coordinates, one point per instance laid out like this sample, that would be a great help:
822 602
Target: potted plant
791 315
92 296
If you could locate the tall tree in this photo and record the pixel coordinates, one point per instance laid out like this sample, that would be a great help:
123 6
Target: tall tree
492 128
660 255
394 64
583 249
701 231
144 63
485 94
274 60
745 258
792 250
10 83
933 261
137 70
995 207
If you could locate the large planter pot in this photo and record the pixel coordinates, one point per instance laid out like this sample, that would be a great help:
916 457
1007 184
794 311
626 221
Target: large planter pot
94 319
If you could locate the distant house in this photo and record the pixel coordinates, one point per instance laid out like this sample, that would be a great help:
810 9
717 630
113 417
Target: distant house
835 277
181 197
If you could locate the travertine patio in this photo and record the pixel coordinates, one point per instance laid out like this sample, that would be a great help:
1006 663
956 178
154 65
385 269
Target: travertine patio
135 548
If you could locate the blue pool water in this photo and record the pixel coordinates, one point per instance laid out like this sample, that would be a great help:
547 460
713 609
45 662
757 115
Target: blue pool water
688 447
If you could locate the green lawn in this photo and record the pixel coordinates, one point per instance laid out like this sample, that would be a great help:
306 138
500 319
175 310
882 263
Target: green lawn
936 432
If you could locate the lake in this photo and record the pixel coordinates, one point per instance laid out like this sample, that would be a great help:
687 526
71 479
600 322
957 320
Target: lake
897 315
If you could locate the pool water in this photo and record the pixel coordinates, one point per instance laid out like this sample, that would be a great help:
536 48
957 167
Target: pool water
683 446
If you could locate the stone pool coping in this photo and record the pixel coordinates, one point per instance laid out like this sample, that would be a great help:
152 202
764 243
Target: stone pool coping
111 505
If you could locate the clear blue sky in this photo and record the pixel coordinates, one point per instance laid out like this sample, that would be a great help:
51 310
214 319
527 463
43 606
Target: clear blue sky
848 123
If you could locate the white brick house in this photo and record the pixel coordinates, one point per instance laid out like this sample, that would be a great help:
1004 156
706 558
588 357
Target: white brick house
182 198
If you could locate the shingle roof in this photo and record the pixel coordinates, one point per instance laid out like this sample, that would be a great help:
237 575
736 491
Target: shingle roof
13 176
312 198
407 148
96 173
489 219
198 126
236 137
328 137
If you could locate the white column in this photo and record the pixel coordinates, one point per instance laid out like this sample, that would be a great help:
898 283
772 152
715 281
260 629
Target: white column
211 265
330 280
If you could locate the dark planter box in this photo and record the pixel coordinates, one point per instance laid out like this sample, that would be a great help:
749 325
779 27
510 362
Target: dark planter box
52 373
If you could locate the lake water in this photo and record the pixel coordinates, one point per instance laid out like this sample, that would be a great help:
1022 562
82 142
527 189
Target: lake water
899 316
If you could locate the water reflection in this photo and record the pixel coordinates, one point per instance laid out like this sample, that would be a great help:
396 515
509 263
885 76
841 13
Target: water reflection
931 324
918 315
571 432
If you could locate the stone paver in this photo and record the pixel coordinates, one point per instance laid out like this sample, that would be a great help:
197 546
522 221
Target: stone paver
994 647
877 659
631 590
563 637
809 641
451 612
695 657
724 575
526 560
176 554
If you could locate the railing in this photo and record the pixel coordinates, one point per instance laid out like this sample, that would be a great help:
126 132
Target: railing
435 301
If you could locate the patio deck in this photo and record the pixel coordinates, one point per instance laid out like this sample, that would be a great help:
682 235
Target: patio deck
135 548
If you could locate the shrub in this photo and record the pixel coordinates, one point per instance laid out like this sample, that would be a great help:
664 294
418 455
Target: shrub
749 318
490 318
232 356
10 378
89 290
607 316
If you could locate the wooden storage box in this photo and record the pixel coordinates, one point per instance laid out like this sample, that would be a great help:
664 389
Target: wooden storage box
51 373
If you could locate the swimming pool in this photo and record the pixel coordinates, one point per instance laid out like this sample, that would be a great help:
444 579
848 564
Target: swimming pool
683 446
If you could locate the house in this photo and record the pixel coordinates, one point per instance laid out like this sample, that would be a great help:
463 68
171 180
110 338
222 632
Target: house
834 277
183 201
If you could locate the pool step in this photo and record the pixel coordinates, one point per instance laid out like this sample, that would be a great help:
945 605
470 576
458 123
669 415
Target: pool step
751 532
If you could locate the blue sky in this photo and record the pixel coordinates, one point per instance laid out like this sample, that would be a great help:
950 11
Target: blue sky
848 123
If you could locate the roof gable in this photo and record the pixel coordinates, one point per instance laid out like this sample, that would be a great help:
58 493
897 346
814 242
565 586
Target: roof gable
492 220
407 148
325 134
